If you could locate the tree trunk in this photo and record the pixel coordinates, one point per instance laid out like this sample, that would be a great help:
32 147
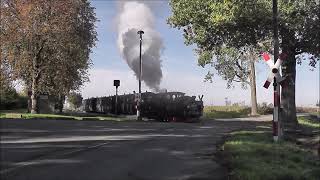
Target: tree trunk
61 102
253 88
288 103
34 97
35 80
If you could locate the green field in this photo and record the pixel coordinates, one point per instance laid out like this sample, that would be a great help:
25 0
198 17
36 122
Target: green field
212 112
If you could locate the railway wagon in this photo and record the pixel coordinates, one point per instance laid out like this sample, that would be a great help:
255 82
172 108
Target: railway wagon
168 106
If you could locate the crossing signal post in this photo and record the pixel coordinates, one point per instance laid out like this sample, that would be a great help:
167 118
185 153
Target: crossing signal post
278 80
116 83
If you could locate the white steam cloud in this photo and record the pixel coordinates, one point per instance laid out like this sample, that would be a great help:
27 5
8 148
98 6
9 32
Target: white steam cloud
132 17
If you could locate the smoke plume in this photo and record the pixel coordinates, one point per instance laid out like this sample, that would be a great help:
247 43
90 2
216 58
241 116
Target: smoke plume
134 16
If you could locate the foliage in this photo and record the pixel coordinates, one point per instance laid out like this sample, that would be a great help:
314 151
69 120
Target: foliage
47 43
6 86
253 155
10 99
307 109
265 108
75 99
232 65
213 25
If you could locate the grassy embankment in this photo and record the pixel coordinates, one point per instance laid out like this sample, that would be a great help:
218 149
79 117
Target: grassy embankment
253 155
21 114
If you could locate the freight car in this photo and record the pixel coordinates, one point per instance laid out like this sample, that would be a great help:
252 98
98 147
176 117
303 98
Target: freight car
168 106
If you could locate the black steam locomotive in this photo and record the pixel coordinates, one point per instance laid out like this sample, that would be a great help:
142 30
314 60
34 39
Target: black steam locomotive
168 106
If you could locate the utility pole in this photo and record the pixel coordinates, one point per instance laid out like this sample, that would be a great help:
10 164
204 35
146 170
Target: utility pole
276 88
140 76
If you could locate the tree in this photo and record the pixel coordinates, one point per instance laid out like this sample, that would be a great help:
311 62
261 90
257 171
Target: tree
216 24
9 98
5 79
7 92
47 44
75 99
235 65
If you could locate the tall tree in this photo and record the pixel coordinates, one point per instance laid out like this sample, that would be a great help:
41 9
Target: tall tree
237 24
235 65
48 43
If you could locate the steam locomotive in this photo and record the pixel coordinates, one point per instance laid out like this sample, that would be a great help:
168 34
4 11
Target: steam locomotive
168 106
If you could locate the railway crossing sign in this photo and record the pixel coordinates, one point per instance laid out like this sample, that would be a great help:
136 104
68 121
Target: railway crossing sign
116 83
137 97
274 75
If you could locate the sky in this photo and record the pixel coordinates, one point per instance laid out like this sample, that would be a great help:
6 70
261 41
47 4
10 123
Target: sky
179 65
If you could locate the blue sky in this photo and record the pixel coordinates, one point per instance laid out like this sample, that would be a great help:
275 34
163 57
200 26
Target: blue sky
179 65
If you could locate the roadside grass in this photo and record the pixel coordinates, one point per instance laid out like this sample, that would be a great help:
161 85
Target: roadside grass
252 155
225 111
58 116
2 115
315 113
309 122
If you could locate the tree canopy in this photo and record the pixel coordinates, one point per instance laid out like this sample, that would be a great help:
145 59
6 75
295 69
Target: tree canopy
216 24
47 43
235 23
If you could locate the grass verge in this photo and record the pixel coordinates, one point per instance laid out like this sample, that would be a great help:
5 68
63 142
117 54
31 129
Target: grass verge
315 113
309 122
252 155
225 111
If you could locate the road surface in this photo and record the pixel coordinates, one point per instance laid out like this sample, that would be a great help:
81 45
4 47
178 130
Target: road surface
103 150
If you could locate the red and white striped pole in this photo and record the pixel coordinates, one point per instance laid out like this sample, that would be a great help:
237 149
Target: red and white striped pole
277 81
276 109
275 70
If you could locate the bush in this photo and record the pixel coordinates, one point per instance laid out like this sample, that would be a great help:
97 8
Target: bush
75 99
306 109
264 108
10 99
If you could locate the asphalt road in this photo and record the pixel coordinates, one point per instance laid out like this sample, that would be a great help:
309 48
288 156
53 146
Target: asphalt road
103 150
